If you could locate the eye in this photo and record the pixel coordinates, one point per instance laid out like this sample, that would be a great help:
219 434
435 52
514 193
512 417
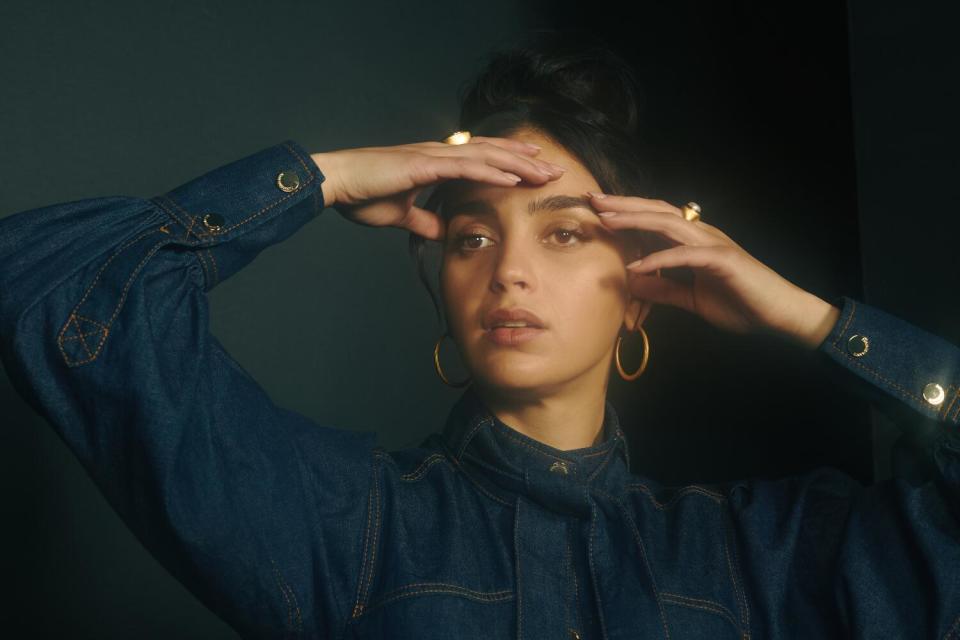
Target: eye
567 237
567 234
463 237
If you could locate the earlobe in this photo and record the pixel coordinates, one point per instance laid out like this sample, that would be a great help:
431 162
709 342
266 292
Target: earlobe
635 313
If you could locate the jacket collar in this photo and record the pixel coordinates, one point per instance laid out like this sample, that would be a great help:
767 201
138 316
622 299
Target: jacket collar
509 463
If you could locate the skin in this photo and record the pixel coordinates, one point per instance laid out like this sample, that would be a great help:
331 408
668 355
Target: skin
588 289
552 388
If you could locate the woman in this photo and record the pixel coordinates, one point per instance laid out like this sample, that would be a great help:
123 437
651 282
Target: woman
520 517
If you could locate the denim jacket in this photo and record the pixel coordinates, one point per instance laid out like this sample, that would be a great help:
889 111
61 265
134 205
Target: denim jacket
288 528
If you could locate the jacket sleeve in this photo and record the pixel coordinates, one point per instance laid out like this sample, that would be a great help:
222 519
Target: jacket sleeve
835 557
104 331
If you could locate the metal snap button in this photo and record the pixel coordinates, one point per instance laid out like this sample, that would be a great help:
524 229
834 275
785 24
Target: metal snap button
288 181
933 393
559 467
858 345
574 635
213 222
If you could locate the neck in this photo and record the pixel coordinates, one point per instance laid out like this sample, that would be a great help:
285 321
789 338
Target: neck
565 417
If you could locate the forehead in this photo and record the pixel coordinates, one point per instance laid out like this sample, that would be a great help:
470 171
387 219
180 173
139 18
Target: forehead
471 197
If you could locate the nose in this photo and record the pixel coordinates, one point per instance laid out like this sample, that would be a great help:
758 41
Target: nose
513 267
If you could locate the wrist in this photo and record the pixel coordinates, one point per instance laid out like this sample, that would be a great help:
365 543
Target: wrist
815 322
325 162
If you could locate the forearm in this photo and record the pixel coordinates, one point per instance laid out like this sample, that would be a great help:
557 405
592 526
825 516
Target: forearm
815 318
105 331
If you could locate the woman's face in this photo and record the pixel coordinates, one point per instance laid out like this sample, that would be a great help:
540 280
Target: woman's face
560 262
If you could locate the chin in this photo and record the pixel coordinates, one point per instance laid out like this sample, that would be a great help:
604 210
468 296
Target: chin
506 377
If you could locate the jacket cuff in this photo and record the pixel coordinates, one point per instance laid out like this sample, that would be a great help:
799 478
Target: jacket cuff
230 214
905 363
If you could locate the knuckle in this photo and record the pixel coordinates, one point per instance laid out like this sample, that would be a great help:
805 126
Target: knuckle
424 164
725 252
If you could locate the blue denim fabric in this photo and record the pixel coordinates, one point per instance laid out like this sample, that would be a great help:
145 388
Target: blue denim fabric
288 528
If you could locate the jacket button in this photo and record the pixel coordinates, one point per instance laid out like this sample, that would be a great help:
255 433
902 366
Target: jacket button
213 221
858 345
288 181
559 467
933 393
574 635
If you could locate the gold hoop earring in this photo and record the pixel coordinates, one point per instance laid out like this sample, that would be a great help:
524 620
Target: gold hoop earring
643 364
436 365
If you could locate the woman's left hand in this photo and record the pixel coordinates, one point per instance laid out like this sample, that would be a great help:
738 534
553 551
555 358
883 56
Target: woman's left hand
730 288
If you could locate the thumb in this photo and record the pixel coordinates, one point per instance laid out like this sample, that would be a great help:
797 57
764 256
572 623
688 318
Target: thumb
425 223
661 291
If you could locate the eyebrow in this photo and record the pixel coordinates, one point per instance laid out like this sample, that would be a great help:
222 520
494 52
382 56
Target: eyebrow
546 204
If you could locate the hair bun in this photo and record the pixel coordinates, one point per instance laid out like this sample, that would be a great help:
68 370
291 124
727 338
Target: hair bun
573 89
572 73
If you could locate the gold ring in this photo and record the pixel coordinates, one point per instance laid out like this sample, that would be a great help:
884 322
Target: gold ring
458 137
691 211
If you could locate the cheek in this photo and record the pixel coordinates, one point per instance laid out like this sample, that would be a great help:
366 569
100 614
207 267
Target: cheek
588 306
457 285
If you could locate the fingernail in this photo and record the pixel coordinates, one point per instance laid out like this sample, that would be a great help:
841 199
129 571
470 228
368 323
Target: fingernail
597 195
634 264
534 146
607 214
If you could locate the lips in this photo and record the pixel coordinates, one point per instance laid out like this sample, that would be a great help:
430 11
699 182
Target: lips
512 314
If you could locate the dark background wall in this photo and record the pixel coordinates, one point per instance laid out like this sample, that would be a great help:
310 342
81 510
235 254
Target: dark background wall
820 136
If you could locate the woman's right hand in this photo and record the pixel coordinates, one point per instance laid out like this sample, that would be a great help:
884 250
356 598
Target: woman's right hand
377 186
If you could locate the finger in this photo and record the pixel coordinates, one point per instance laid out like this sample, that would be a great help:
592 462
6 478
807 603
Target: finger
424 223
610 202
509 144
457 168
636 203
531 169
507 160
714 257
661 222
662 291
517 146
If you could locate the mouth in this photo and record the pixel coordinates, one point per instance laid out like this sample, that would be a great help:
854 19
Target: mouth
512 336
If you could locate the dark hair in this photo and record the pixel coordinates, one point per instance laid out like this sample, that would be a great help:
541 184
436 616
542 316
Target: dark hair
571 87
